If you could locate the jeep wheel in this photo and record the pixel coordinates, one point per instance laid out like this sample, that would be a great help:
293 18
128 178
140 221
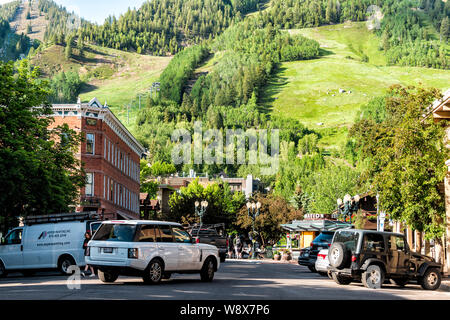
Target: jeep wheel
107 276
431 279
338 255
339 279
373 277
154 272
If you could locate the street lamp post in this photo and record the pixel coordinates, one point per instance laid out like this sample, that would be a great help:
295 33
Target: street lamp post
253 212
351 205
200 209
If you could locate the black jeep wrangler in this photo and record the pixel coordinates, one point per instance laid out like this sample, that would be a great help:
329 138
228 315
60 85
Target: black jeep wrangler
373 257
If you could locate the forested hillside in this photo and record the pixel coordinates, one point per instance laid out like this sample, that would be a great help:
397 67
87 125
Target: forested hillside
8 10
282 64
412 32
12 45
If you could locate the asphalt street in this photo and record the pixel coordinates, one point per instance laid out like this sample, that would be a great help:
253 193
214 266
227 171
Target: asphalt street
236 280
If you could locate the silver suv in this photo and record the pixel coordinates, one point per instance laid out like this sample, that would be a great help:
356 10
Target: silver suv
150 249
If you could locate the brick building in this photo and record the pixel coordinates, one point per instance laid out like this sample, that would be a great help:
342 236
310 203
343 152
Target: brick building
110 156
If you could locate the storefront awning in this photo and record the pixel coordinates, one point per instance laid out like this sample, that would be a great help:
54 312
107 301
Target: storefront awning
315 225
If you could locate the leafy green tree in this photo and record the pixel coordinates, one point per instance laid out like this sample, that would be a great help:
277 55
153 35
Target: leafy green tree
407 157
40 173
274 211
222 203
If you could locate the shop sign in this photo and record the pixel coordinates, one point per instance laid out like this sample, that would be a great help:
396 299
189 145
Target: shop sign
318 216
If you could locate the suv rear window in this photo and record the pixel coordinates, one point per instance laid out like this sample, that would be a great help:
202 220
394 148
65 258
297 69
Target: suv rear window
324 237
349 238
115 232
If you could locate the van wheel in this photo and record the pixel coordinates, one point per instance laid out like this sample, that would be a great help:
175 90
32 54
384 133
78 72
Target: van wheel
3 272
338 255
154 272
107 276
431 279
207 272
341 279
373 277
64 264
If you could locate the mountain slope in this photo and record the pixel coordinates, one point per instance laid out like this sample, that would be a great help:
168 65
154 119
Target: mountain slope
309 91
36 20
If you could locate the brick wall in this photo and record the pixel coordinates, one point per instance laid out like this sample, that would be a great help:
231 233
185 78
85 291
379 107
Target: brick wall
113 165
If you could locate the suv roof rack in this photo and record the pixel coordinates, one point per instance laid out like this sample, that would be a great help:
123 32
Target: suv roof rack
61 217
207 226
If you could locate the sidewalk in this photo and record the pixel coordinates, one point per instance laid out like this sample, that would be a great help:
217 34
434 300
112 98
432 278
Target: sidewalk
445 284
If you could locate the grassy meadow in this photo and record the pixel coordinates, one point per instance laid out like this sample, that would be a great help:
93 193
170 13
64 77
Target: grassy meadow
310 91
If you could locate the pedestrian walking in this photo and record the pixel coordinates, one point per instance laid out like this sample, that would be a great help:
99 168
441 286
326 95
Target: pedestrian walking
87 238
230 246
238 247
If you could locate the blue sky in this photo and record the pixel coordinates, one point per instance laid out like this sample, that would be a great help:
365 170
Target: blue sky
99 10
96 10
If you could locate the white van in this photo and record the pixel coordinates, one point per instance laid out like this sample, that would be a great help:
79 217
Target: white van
46 242
152 250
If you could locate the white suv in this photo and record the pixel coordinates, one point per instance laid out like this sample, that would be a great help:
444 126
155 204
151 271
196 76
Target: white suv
151 249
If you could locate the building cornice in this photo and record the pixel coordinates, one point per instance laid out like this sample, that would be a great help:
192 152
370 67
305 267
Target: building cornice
95 110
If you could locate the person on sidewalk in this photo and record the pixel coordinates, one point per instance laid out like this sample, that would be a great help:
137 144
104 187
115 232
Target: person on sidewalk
87 238
230 246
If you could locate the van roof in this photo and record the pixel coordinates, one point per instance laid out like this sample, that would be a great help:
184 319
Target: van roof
141 222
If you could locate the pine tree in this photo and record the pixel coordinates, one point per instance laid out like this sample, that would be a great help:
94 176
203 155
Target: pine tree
68 52
444 29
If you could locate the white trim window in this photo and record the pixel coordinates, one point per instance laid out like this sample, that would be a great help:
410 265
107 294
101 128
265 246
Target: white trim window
89 184
90 143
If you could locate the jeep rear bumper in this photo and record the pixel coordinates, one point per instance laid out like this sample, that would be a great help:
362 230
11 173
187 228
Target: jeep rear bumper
345 272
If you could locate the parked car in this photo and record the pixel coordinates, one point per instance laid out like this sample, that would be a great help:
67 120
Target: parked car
373 257
208 234
150 249
308 256
322 262
46 242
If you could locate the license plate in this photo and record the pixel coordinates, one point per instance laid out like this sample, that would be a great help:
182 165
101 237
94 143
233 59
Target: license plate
107 250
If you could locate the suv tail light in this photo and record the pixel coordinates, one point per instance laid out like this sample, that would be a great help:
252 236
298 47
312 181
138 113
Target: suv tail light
329 245
321 256
133 253
354 258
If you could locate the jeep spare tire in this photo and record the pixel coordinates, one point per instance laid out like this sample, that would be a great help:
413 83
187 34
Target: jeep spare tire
338 255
